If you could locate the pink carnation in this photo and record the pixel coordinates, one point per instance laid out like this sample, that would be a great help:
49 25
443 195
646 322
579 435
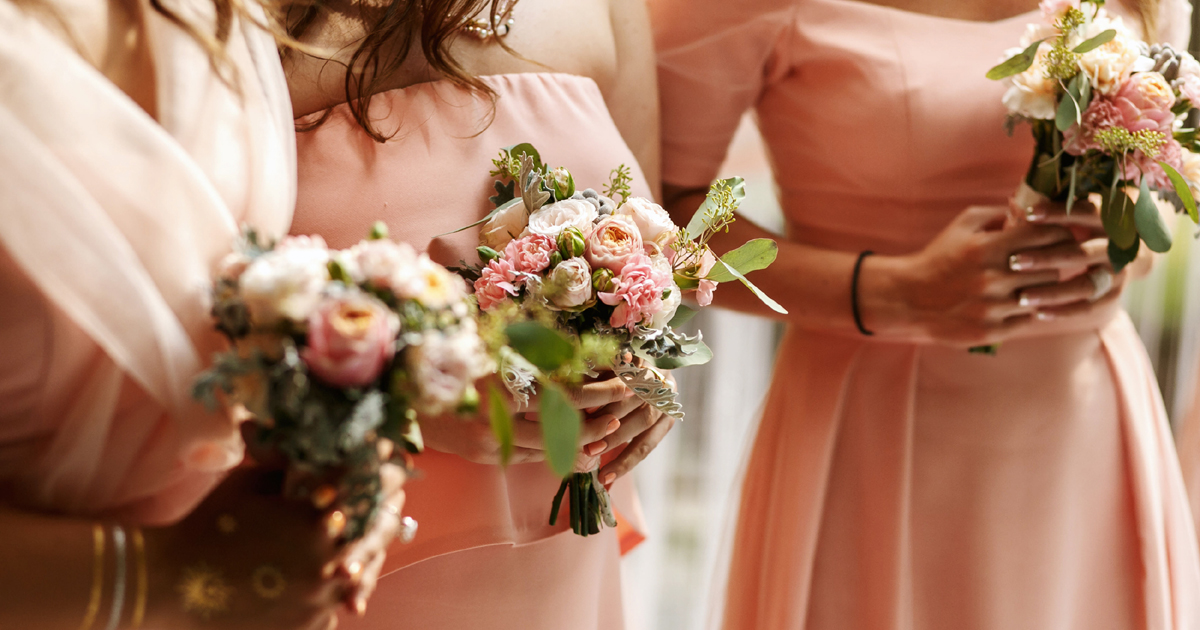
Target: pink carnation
639 292
497 283
350 339
1101 114
530 254
1145 102
1189 88
1139 165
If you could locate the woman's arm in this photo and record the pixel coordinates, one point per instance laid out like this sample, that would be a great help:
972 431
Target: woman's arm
632 96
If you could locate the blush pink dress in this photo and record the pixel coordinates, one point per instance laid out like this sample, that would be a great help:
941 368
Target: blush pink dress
902 486
110 225
485 555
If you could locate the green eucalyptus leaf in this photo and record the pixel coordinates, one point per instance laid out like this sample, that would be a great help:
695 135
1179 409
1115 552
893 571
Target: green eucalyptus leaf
754 255
1149 221
525 148
545 348
1121 257
1015 64
698 354
682 316
560 428
1182 190
699 222
772 304
1095 42
1071 190
1069 109
1117 215
502 423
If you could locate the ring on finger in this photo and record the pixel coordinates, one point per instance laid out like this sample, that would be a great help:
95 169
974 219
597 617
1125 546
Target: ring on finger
1102 283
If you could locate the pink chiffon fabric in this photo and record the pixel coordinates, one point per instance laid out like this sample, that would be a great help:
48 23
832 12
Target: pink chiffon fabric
484 543
110 225
903 485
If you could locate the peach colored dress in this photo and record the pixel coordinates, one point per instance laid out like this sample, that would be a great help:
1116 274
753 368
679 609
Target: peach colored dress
110 223
485 555
906 486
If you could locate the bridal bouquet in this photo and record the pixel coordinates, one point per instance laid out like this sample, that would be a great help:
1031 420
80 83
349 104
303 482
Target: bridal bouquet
608 272
1107 112
335 352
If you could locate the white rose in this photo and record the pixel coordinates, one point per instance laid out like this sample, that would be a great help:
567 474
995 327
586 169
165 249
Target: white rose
551 220
669 306
652 220
380 262
570 284
1031 93
443 366
1191 168
285 283
1109 65
504 226
429 283
1188 66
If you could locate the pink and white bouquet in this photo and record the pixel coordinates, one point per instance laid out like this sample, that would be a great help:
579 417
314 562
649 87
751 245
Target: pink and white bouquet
610 272
1107 112
335 352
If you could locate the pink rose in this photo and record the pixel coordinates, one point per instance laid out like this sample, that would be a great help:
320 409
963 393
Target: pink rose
350 338
704 294
530 254
1052 10
1189 88
496 284
639 292
615 239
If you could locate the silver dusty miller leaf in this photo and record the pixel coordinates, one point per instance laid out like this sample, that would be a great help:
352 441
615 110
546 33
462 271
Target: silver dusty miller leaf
666 342
530 180
650 386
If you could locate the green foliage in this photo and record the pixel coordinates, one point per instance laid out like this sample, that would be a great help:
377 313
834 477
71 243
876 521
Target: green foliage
560 428
1121 257
1183 190
1095 42
772 304
1149 222
717 212
544 347
693 353
1117 215
754 255
619 181
1016 64
1071 108
502 423
683 315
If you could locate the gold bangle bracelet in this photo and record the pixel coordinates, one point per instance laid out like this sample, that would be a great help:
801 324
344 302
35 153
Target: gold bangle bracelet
139 603
93 608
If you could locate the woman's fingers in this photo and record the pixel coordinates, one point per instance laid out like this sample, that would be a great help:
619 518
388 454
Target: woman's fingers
638 450
1081 288
1066 255
1004 243
632 425
598 394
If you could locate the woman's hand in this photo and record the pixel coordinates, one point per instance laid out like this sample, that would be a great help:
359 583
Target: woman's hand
473 440
642 428
960 289
247 557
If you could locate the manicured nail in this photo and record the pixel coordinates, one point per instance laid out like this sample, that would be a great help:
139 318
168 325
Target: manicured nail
1043 316
531 416
324 496
597 447
609 478
628 392
1035 213
360 607
1019 262
612 427
1029 300
591 409
354 569
335 523
328 570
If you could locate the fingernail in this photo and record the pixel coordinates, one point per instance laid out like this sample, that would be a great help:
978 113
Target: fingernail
612 427
1027 300
609 478
591 409
1018 262
1034 213
328 570
1043 316
324 496
597 447
628 392
531 416
354 569
360 607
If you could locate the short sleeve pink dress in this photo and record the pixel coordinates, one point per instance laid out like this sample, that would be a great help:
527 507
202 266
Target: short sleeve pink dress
485 554
111 223
905 486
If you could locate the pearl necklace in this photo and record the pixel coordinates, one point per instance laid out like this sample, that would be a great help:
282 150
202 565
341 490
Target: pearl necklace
484 29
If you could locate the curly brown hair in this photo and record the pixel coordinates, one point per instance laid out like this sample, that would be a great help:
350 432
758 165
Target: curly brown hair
392 30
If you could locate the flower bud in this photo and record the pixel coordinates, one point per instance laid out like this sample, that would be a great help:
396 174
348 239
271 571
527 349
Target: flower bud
555 259
602 280
470 401
379 231
487 254
563 183
571 242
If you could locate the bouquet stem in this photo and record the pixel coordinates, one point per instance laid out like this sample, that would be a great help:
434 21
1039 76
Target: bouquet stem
588 502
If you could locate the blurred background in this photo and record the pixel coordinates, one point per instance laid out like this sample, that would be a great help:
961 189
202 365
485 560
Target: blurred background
687 484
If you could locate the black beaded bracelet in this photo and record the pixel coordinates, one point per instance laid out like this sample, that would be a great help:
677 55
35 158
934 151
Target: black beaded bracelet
854 293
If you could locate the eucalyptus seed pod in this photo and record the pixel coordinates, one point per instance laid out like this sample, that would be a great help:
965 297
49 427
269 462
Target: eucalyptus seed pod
1166 61
571 242
602 280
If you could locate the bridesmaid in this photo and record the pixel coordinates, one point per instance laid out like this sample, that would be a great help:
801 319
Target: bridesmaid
897 481
408 138
135 142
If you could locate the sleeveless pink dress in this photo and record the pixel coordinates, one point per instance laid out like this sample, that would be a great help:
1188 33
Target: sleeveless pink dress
110 225
485 555
907 486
